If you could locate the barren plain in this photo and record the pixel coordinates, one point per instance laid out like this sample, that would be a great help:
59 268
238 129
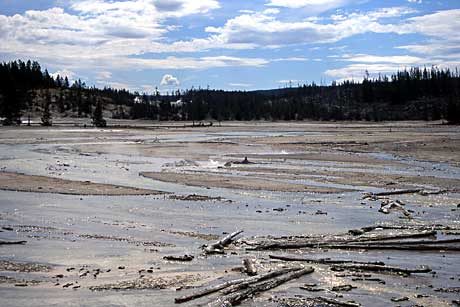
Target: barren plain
119 216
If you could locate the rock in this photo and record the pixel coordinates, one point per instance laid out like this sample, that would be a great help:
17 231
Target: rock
400 299
355 232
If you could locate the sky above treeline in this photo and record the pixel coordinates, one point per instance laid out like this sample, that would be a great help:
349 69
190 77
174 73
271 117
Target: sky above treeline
228 44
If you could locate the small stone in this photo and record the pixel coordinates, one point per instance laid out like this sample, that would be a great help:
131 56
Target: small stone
399 299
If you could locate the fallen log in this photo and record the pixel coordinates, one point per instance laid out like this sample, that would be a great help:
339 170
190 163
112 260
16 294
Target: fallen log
218 247
426 192
236 298
216 288
321 261
419 242
380 268
396 192
12 242
352 244
423 234
337 303
418 247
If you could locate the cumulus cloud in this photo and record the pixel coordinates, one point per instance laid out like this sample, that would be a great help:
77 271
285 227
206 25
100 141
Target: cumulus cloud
262 29
169 80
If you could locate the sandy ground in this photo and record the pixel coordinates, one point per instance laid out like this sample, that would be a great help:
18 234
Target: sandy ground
240 183
41 184
96 229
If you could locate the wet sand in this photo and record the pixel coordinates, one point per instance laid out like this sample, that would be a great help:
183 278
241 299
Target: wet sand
60 192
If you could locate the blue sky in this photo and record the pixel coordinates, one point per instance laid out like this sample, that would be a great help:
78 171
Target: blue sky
228 44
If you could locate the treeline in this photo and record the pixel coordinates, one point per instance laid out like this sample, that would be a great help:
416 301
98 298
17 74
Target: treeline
25 89
415 94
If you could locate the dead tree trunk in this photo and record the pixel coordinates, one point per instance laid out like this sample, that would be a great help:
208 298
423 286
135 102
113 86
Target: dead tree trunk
380 268
218 247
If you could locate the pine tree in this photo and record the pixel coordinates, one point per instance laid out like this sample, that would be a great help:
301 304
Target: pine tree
46 114
98 118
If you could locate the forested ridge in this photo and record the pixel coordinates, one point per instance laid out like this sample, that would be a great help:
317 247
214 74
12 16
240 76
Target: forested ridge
414 94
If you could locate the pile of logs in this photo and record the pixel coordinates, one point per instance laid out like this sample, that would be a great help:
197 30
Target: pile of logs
414 237
233 292
422 239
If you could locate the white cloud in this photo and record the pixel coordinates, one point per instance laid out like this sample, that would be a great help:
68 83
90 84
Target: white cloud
312 5
357 71
103 75
241 84
169 80
260 29
294 81
291 59
442 24
403 59
64 73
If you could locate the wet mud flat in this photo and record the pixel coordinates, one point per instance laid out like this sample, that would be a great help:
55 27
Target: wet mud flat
250 214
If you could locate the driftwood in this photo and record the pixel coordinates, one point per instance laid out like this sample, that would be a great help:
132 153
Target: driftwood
379 268
236 298
12 242
216 288
388 206
396 192
218 247
322 261
250 266
337 303
179 258
372 243
432 246
419 242
426 192
422 234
